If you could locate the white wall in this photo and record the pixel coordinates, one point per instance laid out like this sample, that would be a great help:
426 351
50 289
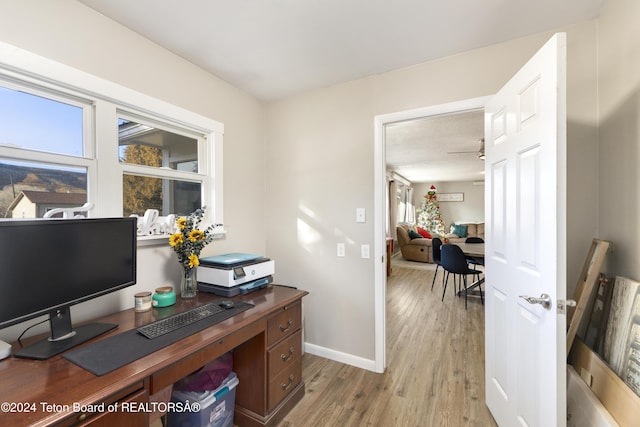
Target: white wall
70 33
619 102
320 168
470 209
297 199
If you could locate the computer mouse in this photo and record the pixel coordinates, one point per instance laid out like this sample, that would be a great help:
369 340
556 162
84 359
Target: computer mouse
226 304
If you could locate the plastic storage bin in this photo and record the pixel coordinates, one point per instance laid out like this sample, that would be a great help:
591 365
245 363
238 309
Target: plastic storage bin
216 406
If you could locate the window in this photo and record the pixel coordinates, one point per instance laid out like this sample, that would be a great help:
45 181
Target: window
29 190
161 168
39 122
166 148
42 162
152 155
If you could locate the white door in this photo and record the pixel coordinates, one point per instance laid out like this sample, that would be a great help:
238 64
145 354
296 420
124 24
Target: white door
525 198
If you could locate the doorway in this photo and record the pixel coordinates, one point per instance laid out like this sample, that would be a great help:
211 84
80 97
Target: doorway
380 215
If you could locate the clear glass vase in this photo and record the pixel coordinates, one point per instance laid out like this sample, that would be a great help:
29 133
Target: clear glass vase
189 283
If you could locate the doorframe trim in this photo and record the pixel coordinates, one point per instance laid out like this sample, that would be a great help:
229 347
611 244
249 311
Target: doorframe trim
379 198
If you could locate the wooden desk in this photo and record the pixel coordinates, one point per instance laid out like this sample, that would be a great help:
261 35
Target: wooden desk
43 393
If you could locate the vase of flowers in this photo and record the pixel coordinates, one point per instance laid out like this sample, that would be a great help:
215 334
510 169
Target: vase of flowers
187 242
189 282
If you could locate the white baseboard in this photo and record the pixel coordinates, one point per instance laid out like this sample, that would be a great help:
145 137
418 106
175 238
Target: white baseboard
341 357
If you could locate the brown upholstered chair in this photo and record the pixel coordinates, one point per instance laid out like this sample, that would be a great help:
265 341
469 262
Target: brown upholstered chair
418 249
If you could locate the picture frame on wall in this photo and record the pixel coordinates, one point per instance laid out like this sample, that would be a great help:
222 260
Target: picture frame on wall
451 197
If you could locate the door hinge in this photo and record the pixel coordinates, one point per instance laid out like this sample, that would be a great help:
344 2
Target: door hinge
562 305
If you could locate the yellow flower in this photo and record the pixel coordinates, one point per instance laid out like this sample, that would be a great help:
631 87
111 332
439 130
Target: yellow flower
176 240
196 235
182 223
193 261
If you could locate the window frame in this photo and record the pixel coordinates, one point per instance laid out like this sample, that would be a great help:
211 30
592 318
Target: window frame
201 176
103 103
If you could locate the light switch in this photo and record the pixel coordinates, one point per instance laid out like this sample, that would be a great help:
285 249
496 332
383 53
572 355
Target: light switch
360 215
340 250
364 251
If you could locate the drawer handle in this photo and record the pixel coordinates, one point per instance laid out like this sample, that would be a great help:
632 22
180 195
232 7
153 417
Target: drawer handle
286 386
284 328
286 357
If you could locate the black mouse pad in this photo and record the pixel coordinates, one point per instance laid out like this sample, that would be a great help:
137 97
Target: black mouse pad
114 352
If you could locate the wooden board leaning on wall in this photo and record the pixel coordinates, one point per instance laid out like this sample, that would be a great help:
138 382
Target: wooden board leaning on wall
617 396
621 402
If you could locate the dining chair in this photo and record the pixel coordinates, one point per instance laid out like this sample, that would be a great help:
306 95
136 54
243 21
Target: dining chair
454 262
475 260
436 243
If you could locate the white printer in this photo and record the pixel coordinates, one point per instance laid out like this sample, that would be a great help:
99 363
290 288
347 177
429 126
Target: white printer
234 273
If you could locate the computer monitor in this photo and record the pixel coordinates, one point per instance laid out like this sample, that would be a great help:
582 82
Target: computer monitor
48 265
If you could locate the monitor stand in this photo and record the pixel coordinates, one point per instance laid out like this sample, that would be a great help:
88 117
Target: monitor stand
63 336
46 348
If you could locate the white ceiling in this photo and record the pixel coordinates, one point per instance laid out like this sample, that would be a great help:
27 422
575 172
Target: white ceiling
277 48
439 148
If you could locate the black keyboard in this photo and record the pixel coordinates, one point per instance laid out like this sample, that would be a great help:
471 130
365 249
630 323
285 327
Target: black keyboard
177 321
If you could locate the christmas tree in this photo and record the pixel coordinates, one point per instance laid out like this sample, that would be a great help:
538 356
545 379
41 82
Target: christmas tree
429 217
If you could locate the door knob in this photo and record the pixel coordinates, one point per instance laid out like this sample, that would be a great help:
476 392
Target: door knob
544 300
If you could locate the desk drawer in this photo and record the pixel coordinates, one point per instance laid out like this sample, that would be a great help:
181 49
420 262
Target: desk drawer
284 354
283 383
130 416
284 323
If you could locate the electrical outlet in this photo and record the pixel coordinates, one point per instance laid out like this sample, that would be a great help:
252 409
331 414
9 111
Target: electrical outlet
364 249
340 249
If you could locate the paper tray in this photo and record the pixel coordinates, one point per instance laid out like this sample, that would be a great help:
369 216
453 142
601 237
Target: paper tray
235 290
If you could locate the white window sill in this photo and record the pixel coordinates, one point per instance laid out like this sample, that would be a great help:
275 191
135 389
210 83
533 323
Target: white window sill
163 239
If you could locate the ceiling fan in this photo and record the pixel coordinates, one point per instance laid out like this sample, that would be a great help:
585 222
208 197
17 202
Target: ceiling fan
462 152
479 153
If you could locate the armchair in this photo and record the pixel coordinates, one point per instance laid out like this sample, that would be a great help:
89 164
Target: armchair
418 249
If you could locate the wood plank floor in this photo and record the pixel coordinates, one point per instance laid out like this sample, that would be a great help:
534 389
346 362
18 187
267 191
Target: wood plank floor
435 366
